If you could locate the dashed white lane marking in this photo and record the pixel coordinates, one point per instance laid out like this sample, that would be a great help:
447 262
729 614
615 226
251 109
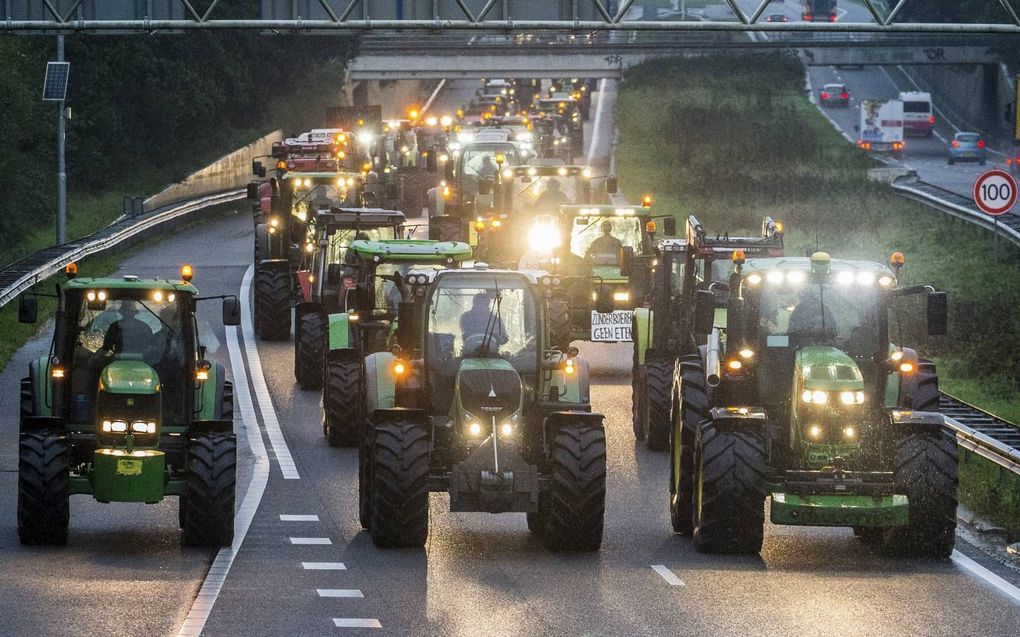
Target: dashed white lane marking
351 622
667 575
991 578
323 566
258 382
310 540
285 517
338 592
200 609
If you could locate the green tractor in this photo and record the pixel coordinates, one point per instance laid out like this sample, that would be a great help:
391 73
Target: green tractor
662 329
372 285
125 408
322 286
473 402
801 399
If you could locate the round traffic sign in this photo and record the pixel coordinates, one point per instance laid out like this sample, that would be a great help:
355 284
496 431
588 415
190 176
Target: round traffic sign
995 192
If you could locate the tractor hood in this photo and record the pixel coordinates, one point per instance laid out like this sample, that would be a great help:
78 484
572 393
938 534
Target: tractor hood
128 377
487 388
826 368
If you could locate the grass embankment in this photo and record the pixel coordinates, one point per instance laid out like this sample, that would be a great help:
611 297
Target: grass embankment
733 139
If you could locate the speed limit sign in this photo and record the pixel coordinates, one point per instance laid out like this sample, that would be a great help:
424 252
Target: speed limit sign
995 192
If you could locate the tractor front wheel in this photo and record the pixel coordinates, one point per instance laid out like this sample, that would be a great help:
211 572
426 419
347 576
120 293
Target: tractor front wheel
693 402
400 490
207 504
272 303
926 472
729 508
43 479
658 398
343 403
559 323
310 350
577 491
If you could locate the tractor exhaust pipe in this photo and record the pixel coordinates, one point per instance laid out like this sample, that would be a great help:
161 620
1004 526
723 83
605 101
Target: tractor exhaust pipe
713 369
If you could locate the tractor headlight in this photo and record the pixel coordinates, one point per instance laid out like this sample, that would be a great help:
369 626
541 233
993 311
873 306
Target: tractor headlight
851 397
475 429
114 426
621 296
506 429
544 237
143 427
816 397
814 432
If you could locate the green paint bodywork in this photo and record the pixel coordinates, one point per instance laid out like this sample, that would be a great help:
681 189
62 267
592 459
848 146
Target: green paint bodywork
128 377
413 250
839 510
473 364
339 331
119 476
205 396
825 368
642 332
380 386
821 367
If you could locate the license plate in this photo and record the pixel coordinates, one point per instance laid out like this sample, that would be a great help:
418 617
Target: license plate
611 327
129 467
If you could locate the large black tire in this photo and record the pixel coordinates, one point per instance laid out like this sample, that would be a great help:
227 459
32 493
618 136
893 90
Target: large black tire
400 484
926 388
272 303
207 504
446 228
43 479
926 472
227 401
558 316
658 399
310 350
577 491
366 453
694 408
729 509
343 403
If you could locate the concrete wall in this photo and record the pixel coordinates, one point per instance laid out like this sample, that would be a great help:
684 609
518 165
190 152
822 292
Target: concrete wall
972 95
393 95
226 173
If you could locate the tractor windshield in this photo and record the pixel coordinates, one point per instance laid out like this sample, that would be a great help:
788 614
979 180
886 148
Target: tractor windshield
600 238
308 201
478 315
546 193
387 293
340 238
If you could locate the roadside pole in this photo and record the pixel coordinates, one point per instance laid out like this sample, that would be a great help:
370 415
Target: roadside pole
61 168
995 193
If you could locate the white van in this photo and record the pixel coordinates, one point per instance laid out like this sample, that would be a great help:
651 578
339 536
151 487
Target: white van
918 114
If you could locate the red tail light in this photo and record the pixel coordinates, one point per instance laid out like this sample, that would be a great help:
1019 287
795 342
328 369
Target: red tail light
807 17
832 17
956 144
844 96
931 119
981 143
825 95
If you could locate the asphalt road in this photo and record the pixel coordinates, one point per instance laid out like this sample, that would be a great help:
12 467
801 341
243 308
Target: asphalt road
318 574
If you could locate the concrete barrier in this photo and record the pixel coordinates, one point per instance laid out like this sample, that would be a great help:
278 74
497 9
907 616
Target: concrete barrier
229 172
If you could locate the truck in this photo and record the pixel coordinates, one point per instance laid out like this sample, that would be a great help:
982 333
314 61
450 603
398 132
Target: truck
918 113
819 11
881 127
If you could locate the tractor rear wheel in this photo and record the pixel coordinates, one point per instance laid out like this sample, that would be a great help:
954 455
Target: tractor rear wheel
207 504
310 350
693 409
729 509
366 452
926 387
926 472
272 303
43 479
577 491
400 489
658 398
558 313
343 403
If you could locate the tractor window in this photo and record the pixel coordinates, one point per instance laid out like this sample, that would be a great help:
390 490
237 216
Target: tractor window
340 238
318 197
387 294
593 237
546 194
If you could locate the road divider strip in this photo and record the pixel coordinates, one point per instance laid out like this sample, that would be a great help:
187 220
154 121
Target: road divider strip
339 592
667 575
305 541
298 518
323 566
350 622
993 580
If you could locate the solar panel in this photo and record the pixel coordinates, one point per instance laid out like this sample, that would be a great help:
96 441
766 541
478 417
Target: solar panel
55 86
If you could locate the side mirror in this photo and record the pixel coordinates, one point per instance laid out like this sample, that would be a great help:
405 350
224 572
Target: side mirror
669 226
28 309
430 162
704 312
611 184
485 186
231 311
253 191
258 169
604 304
938 313
626 257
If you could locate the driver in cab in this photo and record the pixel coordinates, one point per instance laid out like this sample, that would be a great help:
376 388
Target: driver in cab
606 248
482 319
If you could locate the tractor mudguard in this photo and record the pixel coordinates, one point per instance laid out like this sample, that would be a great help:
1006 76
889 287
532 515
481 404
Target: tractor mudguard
641 329
41 423
42 388
912 422
738 418
209 393
340 337
380 386
211 427
402 414
574 389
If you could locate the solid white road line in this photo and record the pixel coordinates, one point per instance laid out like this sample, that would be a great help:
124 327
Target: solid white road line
338 592
989 577
667 575
258 382
323 566
284 517
596 122
350 622
310 540
217 575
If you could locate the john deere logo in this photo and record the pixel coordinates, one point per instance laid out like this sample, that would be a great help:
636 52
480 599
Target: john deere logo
131 402
129 467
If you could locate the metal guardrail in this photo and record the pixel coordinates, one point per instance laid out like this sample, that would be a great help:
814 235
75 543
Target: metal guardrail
958 206
24 273
974 428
